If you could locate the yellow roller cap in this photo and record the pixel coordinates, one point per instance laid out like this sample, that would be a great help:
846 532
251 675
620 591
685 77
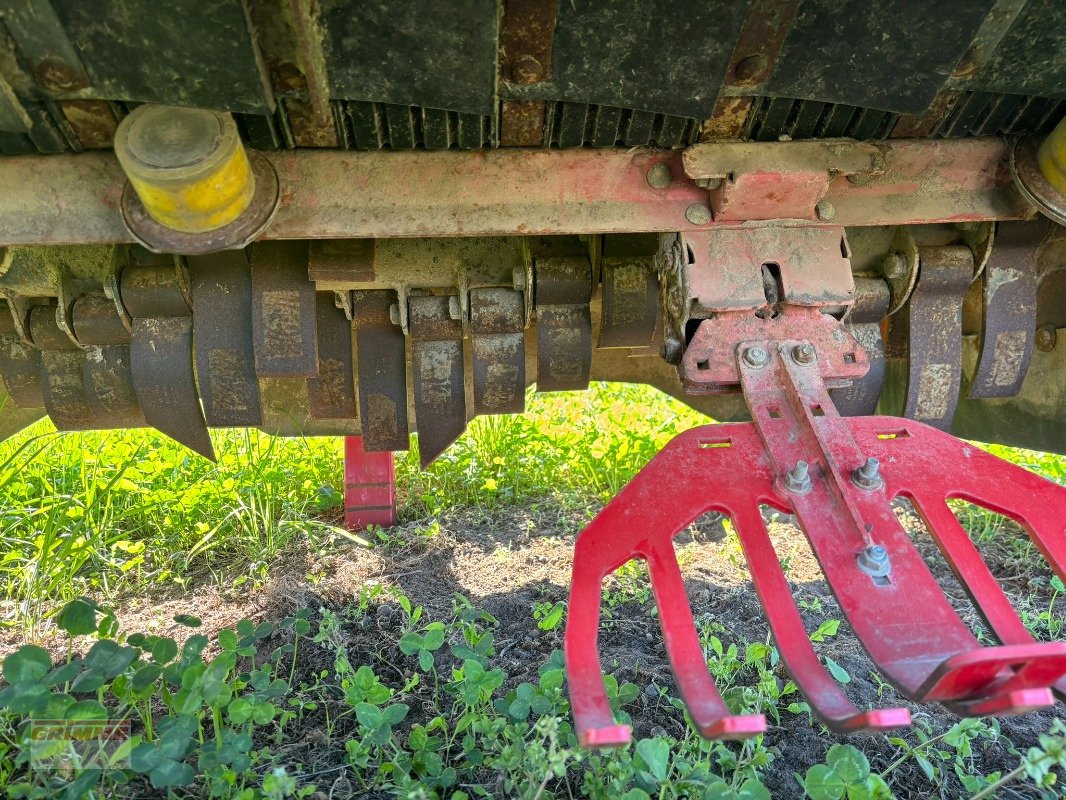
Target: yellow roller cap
1051 157
187 165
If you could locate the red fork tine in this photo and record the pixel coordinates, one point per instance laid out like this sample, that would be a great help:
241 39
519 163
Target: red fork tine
827 700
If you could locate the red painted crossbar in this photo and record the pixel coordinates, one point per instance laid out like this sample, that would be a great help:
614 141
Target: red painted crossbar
369 486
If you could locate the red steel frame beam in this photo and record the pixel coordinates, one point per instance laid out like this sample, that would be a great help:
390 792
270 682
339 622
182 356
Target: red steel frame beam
338 194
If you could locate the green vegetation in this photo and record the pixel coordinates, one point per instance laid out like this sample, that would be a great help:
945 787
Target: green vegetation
376 695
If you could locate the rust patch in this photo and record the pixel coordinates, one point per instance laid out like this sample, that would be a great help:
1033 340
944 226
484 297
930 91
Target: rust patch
281 324
93 122
728 120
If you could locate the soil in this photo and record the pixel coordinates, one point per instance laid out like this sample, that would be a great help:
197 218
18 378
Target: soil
508 561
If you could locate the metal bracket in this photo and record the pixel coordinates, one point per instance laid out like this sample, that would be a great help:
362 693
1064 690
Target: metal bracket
777 180
801 457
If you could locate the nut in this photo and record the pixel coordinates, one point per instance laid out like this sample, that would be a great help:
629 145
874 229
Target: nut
798 479
804 353
698 214
874 561
660 176
868 476
756 356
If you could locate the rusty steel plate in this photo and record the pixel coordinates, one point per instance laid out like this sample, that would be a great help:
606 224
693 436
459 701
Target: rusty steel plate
934 324
20 368
331 393
162 369
108 384
350 195
64 389
562 293
812 263
155 290
221 286
1011 278
497 323
437 373
382 371
283 311
96 322
630 302
872 297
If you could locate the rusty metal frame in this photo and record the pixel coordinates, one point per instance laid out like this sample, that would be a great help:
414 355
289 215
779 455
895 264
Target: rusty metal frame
333 194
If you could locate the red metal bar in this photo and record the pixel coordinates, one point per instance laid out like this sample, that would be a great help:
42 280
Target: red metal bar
369 486
69 199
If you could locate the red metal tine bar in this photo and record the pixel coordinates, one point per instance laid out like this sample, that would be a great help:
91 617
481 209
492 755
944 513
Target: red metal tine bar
637 523
910 448
929 656
726 470
369 486
823 694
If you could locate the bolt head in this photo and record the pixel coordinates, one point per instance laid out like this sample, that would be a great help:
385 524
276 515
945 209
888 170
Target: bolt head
750 70
756 356
527 70
1046 338
894 266
798 479
671 351
825 211
804 354
698 214
660 175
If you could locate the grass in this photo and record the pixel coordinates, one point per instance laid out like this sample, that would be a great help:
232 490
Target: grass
114 513
422 708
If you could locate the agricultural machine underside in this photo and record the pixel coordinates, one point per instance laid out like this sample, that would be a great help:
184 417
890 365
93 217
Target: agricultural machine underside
846 271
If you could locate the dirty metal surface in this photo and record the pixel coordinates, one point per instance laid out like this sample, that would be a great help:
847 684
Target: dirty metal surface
161 357
328 195
207 56
525 58
331 392
437 372
108 385
49 54
20 368
630 307
283 311
498 356
934 326
776 180
562 293
64 389
813 265
589 66
382 371
221 287
96 322
761 38
1011 278
93 122
864 323
728 120
709 365
875 53
900 268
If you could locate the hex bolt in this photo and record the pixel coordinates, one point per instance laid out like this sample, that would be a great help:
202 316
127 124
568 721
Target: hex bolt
1046 338
804 353
825 211
798 479
660 175
894 266
698 214
756 356
874 561
454 311
868 476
